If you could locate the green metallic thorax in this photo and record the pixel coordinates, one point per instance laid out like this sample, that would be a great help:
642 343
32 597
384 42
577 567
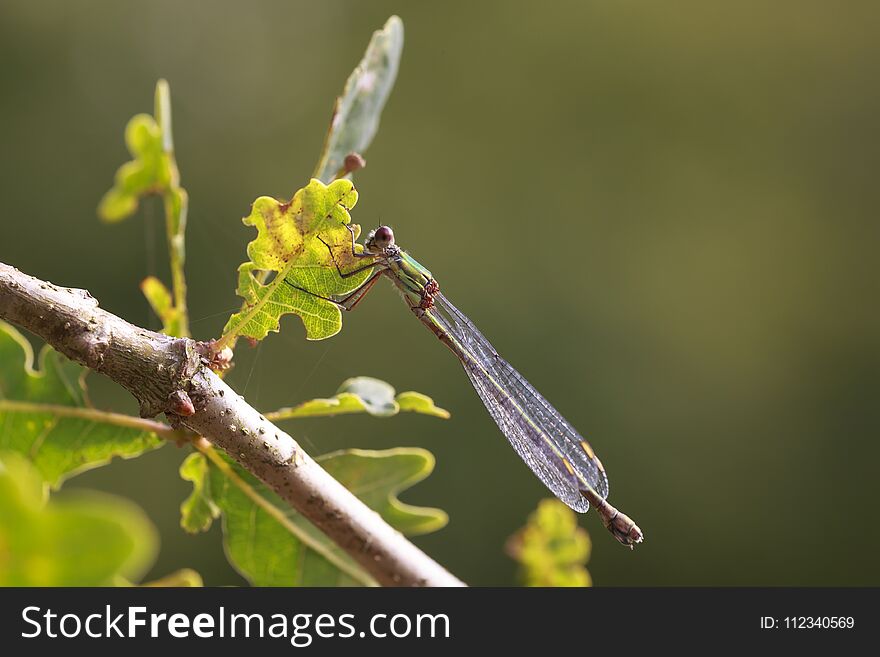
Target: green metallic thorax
409 276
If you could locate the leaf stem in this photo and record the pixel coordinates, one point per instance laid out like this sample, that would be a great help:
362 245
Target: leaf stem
176 202
175 227
229 338
95 415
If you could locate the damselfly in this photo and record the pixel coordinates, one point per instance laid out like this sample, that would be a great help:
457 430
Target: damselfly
548 444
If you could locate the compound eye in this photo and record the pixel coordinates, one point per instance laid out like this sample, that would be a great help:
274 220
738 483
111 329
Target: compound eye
383 237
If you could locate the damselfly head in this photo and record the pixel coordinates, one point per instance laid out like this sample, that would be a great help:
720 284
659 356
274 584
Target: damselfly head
379 239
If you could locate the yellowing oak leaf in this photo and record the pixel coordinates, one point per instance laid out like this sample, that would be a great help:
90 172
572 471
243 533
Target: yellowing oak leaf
292 246
551 549
160 300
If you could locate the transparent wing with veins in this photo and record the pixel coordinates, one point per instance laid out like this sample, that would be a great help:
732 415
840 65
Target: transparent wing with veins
548 444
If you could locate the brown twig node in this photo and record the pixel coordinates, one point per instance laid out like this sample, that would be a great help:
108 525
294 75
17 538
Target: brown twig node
352 162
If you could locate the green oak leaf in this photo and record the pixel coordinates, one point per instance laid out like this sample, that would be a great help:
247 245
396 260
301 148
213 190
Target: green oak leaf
362 394
357 111
272 545
197 512
551 549
82 539
292 242
160 300
377 476
152 169
147 173
45 415
416 402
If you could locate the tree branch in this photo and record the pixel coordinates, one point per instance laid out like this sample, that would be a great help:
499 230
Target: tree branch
157 369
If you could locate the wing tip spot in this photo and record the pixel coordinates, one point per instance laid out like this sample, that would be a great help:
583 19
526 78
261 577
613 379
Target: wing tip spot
589 450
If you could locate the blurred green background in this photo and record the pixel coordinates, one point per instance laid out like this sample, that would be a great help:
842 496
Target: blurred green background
664 216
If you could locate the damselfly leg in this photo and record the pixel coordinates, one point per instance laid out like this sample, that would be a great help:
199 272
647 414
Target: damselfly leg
347 302
350 301
354 254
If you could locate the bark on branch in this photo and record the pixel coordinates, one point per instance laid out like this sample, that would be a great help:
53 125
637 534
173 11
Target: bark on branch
156 369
